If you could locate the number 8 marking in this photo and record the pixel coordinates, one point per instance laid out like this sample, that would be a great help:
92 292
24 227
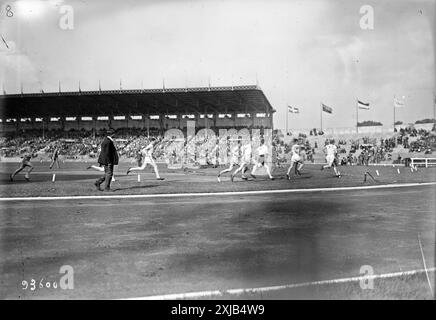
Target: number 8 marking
9 12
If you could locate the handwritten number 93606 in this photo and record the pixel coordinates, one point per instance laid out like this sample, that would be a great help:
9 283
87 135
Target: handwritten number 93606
33 284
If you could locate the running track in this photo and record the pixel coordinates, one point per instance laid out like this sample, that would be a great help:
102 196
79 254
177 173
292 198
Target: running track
142 247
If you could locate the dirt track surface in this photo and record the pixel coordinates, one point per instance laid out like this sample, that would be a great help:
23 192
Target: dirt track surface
131 248
72 179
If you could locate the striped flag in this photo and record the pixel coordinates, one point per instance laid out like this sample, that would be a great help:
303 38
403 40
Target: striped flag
399 103
362 105
293 109
326 108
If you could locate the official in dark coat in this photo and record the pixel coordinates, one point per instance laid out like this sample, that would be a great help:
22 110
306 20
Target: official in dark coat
108 158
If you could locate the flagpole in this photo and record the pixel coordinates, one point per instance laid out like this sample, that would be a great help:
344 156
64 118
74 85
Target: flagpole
394 113
287 115
320 104
357 116
434 106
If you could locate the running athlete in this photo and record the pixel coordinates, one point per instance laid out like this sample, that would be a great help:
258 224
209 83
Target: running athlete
331 151
244 163
55 156
295 160
24 163
262 153
97 168
147 158
234 160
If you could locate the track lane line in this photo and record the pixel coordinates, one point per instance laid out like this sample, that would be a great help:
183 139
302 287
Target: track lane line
209 194
212 293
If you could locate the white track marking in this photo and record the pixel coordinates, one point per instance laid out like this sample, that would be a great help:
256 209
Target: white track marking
425 266
212 293
209 194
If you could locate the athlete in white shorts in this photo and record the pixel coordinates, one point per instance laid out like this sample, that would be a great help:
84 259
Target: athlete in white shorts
295 160
260 162
331 151
245 161
147 158
234 161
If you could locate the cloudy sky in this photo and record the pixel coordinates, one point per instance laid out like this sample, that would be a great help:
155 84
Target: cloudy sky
301 52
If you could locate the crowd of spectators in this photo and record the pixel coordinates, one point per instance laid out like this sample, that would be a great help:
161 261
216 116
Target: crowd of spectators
80 143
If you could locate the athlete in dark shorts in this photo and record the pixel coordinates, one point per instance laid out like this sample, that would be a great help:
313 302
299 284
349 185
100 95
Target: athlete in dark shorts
24 163
55 157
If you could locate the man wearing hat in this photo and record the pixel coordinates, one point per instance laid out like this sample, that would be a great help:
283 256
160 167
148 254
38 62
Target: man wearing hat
108 158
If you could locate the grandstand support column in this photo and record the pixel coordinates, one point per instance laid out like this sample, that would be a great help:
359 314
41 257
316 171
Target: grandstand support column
148 125
43 128
161 124
94 123
205 117
63 119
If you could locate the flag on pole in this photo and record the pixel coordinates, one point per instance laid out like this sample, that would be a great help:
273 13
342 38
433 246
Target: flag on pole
399 103
362 105
293 109
326 108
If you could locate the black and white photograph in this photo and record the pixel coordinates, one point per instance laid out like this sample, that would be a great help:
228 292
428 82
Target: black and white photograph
216 150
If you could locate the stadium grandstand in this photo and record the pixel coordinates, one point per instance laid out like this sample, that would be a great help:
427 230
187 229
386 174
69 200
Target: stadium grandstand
36 121
149 110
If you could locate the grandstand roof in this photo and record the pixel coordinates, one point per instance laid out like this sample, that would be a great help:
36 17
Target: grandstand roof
241 99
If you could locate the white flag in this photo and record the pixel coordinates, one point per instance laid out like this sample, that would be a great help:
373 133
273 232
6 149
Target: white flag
399 103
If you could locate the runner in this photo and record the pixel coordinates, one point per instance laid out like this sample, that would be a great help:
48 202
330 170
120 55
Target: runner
24 163
55 156
244 163
234 160
147 158
331 152
295 160
262 153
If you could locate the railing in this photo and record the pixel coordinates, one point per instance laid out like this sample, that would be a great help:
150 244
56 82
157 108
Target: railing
423 162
